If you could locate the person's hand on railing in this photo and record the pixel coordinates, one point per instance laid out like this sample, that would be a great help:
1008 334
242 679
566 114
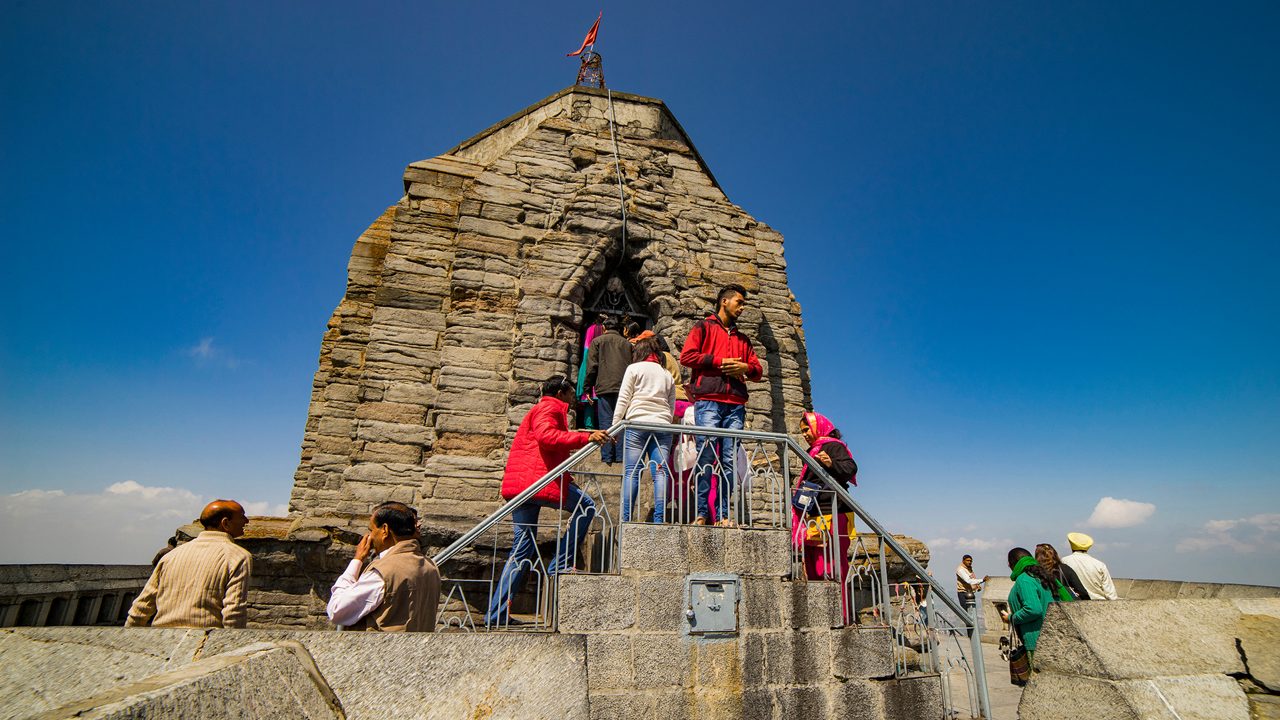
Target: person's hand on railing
600 437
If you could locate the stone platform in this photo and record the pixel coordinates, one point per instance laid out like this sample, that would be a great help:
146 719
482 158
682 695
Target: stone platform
626 648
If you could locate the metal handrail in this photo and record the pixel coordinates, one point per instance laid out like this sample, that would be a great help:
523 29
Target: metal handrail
501 513
939 591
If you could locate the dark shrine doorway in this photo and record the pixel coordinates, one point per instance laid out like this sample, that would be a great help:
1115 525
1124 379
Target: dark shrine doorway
615 295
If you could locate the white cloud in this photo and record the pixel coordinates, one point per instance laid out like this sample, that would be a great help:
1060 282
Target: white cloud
205 353
124 523
266 508
970 544
1256 533
202 349
1115 513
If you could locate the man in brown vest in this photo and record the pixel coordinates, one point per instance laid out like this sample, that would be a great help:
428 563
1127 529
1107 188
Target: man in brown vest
399 590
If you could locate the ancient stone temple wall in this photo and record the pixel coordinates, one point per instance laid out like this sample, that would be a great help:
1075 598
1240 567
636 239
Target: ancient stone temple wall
469 292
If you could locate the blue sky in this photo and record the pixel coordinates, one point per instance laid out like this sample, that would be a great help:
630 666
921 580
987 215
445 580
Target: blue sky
1035 243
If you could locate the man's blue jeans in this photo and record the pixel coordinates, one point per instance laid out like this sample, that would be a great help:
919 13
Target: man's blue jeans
636 447
604 419
710 413
524 549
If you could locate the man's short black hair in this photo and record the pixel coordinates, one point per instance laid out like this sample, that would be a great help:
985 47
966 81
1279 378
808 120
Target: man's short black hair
556 385
966 557
401 519
729 291
611 322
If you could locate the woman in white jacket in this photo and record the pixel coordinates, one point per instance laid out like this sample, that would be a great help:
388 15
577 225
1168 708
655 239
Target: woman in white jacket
648 394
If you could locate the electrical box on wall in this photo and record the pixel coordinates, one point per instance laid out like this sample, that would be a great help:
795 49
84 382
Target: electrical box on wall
711 603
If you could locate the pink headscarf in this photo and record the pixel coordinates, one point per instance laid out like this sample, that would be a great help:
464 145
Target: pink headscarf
822 428
819 424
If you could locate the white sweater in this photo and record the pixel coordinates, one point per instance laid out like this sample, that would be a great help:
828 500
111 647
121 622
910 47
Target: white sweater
648 394
1093 574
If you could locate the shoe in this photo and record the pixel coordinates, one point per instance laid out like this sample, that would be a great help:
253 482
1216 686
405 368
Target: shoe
699 520
724 523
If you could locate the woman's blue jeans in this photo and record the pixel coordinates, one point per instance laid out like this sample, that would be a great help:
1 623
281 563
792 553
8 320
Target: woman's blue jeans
641 448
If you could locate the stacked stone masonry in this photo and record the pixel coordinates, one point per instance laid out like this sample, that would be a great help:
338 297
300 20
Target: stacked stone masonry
469 292
788 656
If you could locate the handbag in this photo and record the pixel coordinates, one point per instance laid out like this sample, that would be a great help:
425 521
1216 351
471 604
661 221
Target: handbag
1019 659
805 499
1019 666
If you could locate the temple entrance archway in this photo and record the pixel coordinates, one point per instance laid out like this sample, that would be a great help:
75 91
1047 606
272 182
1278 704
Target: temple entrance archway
616 295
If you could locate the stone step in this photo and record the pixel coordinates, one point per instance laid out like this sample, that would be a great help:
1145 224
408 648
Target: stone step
681 549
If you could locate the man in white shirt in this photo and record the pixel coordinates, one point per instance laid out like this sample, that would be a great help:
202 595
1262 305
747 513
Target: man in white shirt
1093 573
399 591
967 583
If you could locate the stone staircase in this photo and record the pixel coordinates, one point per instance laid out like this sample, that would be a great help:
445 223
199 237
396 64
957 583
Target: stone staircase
784 654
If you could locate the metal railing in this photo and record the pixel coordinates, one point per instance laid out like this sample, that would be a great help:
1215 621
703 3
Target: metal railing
746 480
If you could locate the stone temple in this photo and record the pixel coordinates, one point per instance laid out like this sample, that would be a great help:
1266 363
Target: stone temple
474 288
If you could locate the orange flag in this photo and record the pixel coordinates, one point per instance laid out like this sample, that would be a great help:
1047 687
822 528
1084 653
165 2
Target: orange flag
590 39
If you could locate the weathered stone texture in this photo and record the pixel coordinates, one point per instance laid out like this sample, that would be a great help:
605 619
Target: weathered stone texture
143 672
468 293
258 682
1155 659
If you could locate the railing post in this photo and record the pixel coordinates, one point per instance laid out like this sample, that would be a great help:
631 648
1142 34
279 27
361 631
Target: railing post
979 666
886 598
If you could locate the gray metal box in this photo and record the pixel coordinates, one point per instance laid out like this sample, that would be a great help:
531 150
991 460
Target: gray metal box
711 603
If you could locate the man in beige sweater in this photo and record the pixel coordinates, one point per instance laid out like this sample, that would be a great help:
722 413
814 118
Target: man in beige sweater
203 583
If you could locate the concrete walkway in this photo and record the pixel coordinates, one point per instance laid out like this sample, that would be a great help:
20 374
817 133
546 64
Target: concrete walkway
1004 696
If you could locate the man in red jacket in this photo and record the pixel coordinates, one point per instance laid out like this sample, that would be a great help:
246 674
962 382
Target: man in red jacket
542 442
722 359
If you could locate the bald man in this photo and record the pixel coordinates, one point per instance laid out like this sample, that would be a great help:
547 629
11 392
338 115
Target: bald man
203 583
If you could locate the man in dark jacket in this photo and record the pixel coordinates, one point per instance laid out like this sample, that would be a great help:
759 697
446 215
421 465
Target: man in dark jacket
607 359
542 442
722 360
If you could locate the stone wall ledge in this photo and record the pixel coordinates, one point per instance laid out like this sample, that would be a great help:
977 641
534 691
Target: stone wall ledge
1156 659
373 675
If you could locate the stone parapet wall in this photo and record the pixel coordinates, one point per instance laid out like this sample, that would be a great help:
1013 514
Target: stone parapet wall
625 648
1157 659
470 291
263 680
996 595
367 675
37 595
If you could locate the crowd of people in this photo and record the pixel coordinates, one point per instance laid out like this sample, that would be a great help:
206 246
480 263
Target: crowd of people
1039 580
628 374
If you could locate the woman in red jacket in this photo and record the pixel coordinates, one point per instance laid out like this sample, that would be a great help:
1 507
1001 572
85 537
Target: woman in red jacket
542 442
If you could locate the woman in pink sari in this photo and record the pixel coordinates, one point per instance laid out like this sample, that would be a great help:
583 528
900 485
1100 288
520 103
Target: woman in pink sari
825 557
